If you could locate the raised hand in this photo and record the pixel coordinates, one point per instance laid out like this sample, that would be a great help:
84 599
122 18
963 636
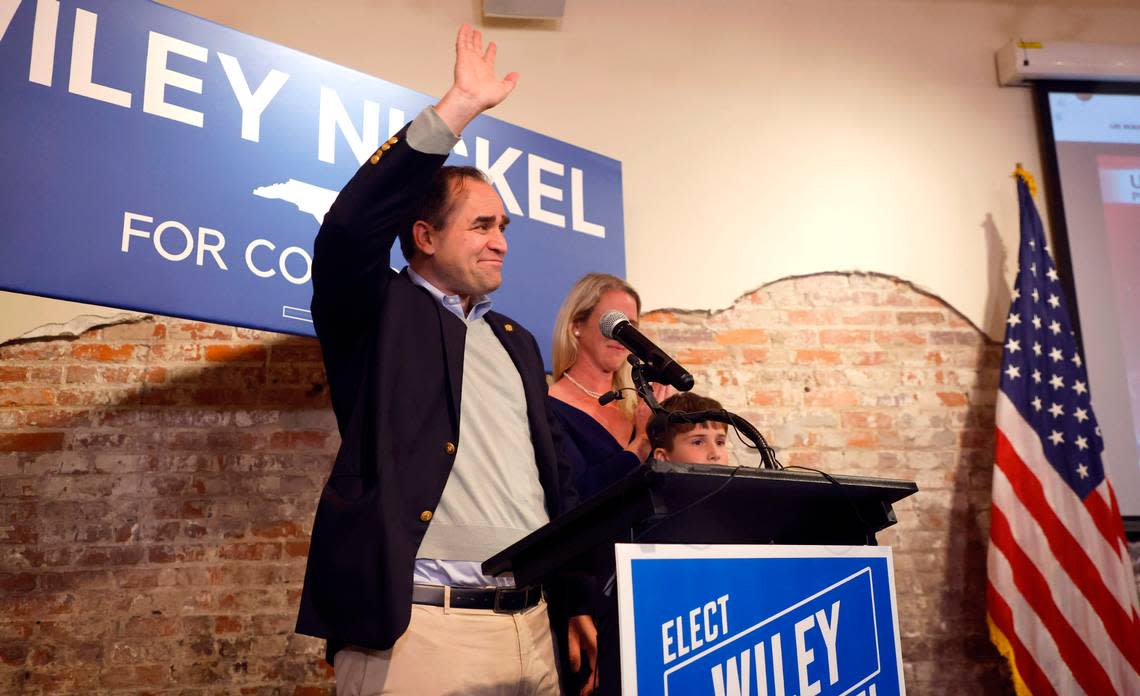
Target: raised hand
475 88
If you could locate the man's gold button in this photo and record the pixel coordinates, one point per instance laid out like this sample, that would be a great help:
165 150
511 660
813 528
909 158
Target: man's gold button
449 448
425 516
508 327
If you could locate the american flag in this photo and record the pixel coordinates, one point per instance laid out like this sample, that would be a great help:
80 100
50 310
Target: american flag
1061 598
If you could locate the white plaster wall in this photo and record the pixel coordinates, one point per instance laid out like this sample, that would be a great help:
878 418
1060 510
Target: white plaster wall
29 316
758 138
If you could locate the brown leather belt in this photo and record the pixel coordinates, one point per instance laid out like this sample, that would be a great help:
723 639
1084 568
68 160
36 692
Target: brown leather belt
505 600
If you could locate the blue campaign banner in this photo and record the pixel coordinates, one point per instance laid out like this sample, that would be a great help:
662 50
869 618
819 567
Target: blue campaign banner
758 621
159 162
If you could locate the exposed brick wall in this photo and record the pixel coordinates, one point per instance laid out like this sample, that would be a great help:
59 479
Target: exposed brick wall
158 479
863 374
157 486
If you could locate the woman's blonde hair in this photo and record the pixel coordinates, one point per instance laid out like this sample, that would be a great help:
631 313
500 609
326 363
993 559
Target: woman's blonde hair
579 302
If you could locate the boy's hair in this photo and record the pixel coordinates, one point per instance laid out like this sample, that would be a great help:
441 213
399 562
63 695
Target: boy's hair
662 433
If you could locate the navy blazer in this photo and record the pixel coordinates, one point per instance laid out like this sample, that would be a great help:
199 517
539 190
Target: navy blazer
394 359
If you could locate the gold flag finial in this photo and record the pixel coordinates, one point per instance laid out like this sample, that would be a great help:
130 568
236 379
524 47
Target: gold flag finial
1025 176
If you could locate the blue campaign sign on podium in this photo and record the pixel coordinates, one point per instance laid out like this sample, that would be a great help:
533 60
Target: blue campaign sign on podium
160 162
730 620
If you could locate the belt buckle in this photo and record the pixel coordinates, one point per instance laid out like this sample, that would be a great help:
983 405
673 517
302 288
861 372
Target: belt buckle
496 607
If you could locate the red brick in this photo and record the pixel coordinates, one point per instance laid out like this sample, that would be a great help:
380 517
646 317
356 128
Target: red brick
749 356
177 352
866 419
227 624
920 318
78 374
812 357
26 396
899 338
236 353
17 583
812 317
191 509
873 357
151 675
807 459
13 374
769 397
953 399
659 317
299 440
35 350
296 352
155 375
111 555
870 317
302 373
199 331
102 352
176 554
844 336
222 397
250 552
31 442
36 607
278 530
13 653
297 549
150 626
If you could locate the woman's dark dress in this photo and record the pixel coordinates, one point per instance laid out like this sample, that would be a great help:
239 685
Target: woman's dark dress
595 456
597 460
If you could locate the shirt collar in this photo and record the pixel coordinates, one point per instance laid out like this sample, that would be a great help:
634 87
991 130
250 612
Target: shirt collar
452 303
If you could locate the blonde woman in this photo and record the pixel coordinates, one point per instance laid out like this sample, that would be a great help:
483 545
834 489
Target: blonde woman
604 442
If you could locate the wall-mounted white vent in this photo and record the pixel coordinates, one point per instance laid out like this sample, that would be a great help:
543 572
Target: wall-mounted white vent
524 9
1022 62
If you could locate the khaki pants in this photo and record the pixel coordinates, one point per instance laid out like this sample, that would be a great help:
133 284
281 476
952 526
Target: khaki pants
455 652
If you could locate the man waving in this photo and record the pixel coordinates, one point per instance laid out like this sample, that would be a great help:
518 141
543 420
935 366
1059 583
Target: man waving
448 452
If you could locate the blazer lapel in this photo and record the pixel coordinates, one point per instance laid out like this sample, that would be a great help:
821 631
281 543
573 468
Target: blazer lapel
454 333
511 342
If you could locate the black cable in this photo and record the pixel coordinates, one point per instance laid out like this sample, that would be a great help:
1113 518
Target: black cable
767 454
869 536
690 506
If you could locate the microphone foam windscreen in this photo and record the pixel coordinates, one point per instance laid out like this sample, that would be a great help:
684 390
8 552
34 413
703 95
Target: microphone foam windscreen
609 320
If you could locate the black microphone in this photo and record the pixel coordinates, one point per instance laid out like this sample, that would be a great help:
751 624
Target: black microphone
616 325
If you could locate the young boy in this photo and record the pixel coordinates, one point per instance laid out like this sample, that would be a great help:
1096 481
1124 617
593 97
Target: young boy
702 443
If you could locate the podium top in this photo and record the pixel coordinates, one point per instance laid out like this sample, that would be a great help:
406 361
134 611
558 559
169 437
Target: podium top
702 503
806 480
